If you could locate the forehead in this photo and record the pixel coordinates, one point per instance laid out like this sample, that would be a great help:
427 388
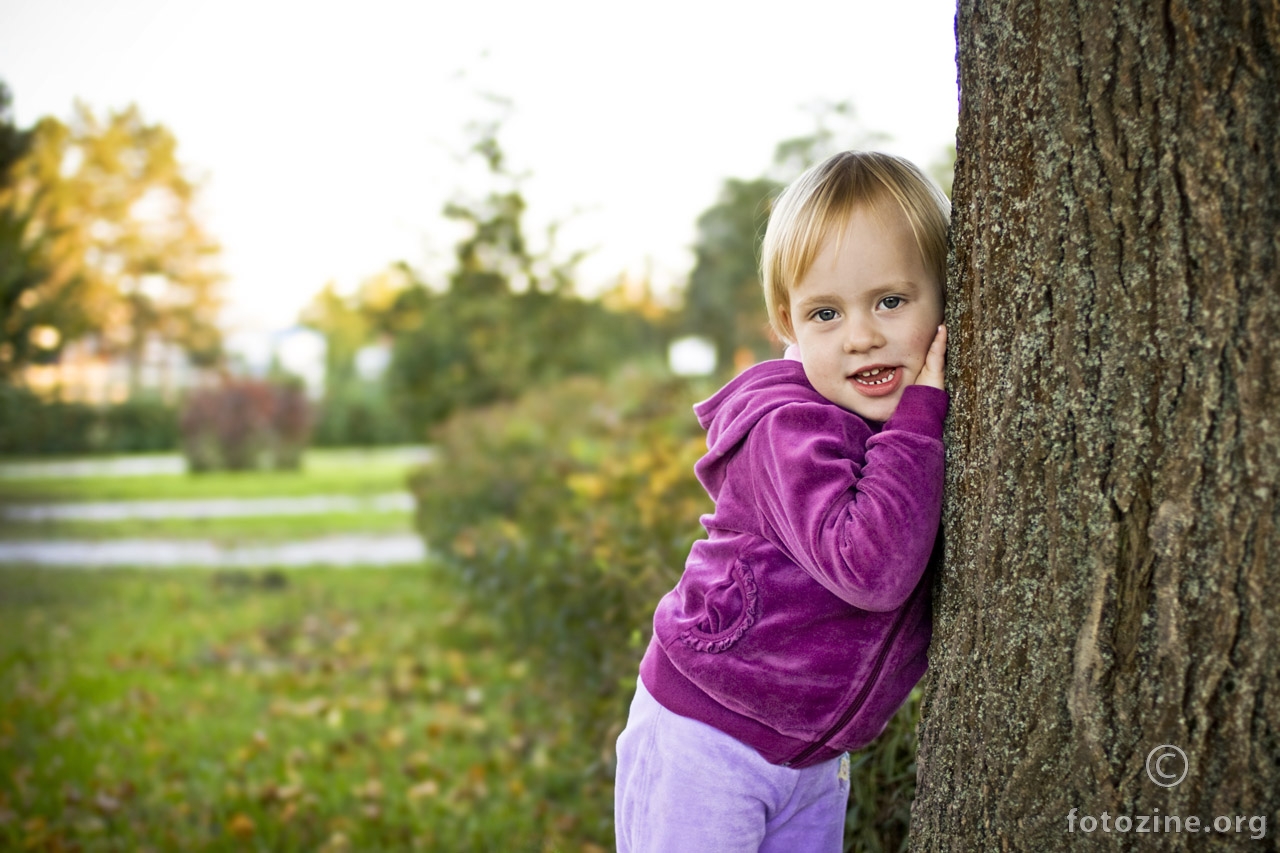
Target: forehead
870 246
828 219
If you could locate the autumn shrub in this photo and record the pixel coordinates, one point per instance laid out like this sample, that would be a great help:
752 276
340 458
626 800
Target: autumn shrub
244 424
567 515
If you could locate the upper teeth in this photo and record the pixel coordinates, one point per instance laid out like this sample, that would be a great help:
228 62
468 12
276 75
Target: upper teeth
866 375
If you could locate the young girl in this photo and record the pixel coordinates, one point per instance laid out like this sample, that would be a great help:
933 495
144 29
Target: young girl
801 622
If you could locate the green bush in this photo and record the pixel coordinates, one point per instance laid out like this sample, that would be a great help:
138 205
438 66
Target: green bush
139 425
882 784
30 425
466 348
567 515
359 415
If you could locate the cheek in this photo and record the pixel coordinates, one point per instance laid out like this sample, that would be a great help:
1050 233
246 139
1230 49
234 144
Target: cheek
934 313
924 340
817 363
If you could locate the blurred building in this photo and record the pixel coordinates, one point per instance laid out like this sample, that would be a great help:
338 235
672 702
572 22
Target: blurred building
83 372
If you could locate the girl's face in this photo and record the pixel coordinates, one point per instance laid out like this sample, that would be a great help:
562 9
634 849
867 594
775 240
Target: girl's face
865 314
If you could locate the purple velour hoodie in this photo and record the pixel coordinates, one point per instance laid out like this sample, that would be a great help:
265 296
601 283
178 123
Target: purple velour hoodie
802 621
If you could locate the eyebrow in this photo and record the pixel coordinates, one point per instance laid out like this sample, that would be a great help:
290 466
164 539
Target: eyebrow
815 300
911 288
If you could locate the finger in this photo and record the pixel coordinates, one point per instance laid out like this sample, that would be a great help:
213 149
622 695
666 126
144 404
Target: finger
934 360
938 350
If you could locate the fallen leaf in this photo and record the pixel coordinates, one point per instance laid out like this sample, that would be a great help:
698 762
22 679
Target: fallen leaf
423 790
106 803
371 790
241 826
337 843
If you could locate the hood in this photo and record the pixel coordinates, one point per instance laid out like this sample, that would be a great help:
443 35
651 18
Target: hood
729 415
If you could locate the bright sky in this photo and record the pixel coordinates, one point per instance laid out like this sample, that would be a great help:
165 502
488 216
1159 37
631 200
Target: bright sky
325 132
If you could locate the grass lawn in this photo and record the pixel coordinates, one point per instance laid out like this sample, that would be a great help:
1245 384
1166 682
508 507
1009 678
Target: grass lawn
327 472
371 480
223 531
307 710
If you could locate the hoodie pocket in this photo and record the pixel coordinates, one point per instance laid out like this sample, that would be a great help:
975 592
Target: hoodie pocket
730 608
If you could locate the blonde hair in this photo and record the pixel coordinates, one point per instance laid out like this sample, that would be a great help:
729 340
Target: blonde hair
821 201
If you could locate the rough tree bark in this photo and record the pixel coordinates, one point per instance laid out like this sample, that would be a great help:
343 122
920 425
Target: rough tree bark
1112 575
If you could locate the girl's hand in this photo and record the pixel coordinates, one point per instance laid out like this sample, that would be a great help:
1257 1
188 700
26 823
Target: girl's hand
935 361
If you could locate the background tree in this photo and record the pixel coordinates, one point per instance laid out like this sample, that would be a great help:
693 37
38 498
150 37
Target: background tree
110 240
1112 572
14 141
508 319
357 409
722 301
723 298
20 270
469 344
345 331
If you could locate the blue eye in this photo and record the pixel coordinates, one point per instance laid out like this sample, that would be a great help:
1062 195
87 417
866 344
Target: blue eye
891 302
824 315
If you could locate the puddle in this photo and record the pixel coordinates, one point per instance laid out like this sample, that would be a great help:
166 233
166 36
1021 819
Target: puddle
337 551
123 466
351 551
152 464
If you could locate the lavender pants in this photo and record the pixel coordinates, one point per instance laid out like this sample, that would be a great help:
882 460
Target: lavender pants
685 786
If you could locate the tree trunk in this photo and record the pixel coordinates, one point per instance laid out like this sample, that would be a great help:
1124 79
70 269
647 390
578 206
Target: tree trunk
1112 575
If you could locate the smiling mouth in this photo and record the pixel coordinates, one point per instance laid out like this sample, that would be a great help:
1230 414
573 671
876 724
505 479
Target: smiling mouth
876 376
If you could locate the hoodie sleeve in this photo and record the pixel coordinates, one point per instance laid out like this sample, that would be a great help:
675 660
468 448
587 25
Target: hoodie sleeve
857 511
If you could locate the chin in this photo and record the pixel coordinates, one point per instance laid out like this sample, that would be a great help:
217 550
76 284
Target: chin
880 410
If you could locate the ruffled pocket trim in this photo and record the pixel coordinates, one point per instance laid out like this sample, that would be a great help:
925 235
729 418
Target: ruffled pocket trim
745 583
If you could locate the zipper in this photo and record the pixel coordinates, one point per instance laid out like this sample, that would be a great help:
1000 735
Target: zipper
858 701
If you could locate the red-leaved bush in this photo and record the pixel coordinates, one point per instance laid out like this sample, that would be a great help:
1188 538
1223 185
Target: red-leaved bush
246 424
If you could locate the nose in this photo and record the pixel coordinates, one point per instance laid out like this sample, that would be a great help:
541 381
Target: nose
862 334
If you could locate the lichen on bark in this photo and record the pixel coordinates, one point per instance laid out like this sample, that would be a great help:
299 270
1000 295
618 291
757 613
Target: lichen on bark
1112 573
